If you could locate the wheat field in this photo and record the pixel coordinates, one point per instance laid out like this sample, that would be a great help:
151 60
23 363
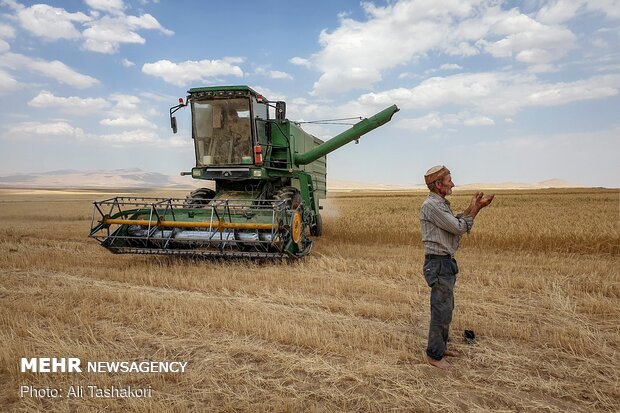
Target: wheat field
342 330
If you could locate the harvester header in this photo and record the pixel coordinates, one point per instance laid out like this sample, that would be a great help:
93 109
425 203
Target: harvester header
268 175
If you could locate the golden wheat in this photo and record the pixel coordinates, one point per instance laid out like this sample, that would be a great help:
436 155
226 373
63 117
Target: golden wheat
342 330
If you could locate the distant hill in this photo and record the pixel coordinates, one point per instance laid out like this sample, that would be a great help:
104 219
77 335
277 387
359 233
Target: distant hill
118 178
137 178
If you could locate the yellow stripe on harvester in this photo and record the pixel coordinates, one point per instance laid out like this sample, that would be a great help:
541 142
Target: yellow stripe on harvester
219 225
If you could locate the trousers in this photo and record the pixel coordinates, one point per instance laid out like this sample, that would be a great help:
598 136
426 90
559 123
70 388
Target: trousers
440 275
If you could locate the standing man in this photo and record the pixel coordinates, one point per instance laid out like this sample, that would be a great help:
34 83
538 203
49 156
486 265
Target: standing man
441 235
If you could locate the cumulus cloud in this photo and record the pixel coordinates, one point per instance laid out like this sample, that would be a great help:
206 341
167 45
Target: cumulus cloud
559 11
494 93
106 28
4 46
72 104
64 130
274 74
478 121
529 41
190 71
300 61
133 136
110 6
106 34
125 103
611 8
127 63
7 83
50 23
131 121
437 120
52 129
126 112
52 69
450 66
357 53
6 31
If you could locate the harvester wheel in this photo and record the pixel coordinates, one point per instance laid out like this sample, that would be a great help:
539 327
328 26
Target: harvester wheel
291 194
317 229
199 198
297 227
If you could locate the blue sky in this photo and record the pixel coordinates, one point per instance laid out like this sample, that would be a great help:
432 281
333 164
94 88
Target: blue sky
499 91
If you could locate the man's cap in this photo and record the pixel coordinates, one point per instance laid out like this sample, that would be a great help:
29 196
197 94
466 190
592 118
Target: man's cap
435 173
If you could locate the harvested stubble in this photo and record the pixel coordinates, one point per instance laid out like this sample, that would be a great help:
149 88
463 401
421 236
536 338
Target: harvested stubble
342 330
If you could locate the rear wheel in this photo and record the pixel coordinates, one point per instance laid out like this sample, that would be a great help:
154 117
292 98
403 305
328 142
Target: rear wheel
199 198
317 229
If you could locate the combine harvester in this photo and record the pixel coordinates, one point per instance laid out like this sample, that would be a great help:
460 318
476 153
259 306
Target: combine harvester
269 176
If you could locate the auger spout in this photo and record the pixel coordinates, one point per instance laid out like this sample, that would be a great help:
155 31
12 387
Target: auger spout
347 136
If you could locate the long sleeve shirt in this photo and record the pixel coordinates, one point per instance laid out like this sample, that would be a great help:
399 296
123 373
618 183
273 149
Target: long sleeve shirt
441 229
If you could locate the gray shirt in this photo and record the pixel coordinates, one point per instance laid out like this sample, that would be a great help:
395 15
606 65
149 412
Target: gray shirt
441 229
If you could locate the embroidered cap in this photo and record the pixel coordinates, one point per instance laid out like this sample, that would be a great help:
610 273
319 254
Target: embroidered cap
435 173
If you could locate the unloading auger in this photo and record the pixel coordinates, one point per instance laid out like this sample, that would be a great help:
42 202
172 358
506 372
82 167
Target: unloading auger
269 175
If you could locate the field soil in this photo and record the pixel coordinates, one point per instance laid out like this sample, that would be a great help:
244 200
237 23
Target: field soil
342 330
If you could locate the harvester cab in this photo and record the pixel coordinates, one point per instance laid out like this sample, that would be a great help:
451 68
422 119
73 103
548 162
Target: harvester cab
269 176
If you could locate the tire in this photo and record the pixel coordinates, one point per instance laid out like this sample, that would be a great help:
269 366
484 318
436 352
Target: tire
317 229
290 194
199 198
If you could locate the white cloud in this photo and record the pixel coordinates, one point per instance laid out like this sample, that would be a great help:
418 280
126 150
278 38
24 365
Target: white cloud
63 130
125 102
106 34
356 54
73 104
127 63
50 23
436 120
4 46
431 120
529 41
55 129
478 121
110 6
103 34
558 11
139 136
611 8
300 61
274 74
494 93
356 78
566 92
52 69
185 73
7 83
450 66
6 31
131 121
148 22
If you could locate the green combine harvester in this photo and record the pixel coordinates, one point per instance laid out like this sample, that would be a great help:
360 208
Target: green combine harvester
269 177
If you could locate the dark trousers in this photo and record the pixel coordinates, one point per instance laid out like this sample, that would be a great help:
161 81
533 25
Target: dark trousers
440 274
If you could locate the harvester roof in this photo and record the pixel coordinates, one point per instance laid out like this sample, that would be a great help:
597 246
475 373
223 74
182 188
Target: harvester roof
224 91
